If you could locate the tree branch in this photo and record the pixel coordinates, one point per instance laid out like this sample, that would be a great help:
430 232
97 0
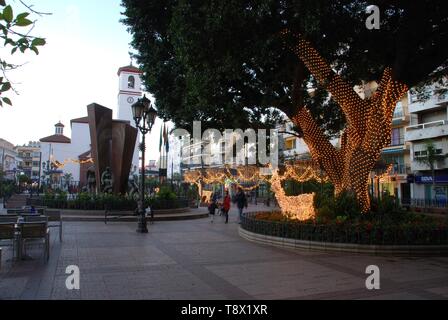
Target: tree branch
295 134
30 8
322 151
351 103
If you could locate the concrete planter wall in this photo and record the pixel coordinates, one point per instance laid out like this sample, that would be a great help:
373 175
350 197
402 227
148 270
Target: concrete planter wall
344 247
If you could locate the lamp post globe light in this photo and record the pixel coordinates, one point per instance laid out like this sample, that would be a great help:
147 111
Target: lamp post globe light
144 116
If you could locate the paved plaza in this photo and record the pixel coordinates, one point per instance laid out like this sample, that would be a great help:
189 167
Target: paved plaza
199 260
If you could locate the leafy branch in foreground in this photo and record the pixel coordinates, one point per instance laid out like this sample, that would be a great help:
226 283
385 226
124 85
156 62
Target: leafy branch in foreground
15 31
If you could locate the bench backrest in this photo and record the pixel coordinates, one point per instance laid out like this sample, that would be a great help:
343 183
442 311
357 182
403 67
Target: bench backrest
33 230
8 219
36 219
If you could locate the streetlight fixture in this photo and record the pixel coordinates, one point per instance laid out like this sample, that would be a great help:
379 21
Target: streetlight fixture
143 110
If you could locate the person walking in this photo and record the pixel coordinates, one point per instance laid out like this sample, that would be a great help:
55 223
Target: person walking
226 206
241 202
212 208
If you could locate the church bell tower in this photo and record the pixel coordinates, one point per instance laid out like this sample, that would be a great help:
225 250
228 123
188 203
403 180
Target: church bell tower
130 84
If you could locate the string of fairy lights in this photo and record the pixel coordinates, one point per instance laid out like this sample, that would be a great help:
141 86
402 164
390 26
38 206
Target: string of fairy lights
368 130
249 178
60 165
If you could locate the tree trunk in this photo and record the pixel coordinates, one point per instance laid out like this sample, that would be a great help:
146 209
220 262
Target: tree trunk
368 131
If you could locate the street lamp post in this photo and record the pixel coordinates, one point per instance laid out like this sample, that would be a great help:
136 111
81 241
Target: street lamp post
143 110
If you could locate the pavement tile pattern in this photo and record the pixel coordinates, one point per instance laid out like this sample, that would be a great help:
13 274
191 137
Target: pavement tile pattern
199 260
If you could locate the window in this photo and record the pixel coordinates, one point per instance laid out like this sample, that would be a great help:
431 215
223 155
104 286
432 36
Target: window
35 163
290 144
397 161
131 82
398 113
420 153
397 137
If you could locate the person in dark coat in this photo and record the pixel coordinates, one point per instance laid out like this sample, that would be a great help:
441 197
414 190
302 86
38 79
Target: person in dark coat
212 207
226 206
241 202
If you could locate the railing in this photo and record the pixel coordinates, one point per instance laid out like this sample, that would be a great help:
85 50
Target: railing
425 203
400 169
398 114
397 142
427 125
362 233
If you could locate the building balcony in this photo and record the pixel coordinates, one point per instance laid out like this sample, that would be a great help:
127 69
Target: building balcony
400 169
420 166
435 102
400 118
427 130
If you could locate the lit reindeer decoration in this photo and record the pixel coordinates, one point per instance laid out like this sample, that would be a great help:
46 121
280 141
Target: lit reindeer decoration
294 207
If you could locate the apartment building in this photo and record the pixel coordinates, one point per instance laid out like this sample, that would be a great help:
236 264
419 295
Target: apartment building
428 124
31 160
9 160
398 154
290 146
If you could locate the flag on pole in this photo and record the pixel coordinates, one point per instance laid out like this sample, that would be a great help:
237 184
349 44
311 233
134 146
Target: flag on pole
160 143
167 142
165 133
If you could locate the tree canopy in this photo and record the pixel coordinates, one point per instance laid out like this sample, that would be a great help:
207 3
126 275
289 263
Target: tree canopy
225 62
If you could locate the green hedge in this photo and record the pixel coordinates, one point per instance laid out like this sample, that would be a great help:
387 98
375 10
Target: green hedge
86 201
412 230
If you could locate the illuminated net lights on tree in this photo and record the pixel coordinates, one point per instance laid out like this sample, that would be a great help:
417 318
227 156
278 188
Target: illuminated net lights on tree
299 207
369 125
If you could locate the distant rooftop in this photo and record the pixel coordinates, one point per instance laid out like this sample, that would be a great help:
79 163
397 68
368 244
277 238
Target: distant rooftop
56 138
130 69
80 120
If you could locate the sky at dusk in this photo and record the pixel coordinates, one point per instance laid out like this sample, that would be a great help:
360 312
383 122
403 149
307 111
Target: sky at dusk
86 44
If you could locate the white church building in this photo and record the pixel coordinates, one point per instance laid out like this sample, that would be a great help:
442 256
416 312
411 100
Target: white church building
64 155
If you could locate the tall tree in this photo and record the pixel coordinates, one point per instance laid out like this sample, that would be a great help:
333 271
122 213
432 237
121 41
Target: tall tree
231 63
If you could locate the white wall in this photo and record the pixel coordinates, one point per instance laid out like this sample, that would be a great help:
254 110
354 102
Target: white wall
80 143
124 107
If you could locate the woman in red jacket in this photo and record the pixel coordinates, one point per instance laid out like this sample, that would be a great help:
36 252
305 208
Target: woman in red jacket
226 206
